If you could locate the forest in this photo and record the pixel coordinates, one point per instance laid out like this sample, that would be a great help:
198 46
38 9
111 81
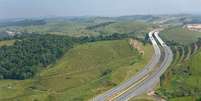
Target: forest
30 53
33 52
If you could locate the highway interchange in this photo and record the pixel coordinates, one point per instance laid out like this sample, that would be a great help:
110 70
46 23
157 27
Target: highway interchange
145 80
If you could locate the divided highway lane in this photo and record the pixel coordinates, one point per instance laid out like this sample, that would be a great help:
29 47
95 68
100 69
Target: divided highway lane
150 82
168 54
135 80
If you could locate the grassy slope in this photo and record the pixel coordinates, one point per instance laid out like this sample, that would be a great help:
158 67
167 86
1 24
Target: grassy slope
124 27
135 27
77 76
143 98
187 98
181 35
7 42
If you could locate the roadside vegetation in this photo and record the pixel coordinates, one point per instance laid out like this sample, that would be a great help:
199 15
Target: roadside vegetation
143 98
181 82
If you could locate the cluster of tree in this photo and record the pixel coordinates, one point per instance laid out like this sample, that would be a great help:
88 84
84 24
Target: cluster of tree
23 23
114 36
31 53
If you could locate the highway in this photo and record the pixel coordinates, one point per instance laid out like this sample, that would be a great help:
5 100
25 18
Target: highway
154 78
146 79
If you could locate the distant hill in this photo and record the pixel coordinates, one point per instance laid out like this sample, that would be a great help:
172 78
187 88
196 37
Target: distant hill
23 23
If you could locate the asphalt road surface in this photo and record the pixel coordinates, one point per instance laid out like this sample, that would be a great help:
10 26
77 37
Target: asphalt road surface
146 79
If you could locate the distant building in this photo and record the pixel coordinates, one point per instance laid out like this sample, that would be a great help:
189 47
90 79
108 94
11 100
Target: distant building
194 27
10 33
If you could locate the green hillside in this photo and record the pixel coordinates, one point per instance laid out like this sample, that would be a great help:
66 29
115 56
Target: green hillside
83 27
83 72
180 35
133 27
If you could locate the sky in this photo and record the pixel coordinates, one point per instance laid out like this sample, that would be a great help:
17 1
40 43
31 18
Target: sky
53 8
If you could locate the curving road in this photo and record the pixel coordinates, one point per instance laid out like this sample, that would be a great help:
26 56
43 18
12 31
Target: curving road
146 79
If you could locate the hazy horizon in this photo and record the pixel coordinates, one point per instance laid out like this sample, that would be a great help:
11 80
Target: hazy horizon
62 8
